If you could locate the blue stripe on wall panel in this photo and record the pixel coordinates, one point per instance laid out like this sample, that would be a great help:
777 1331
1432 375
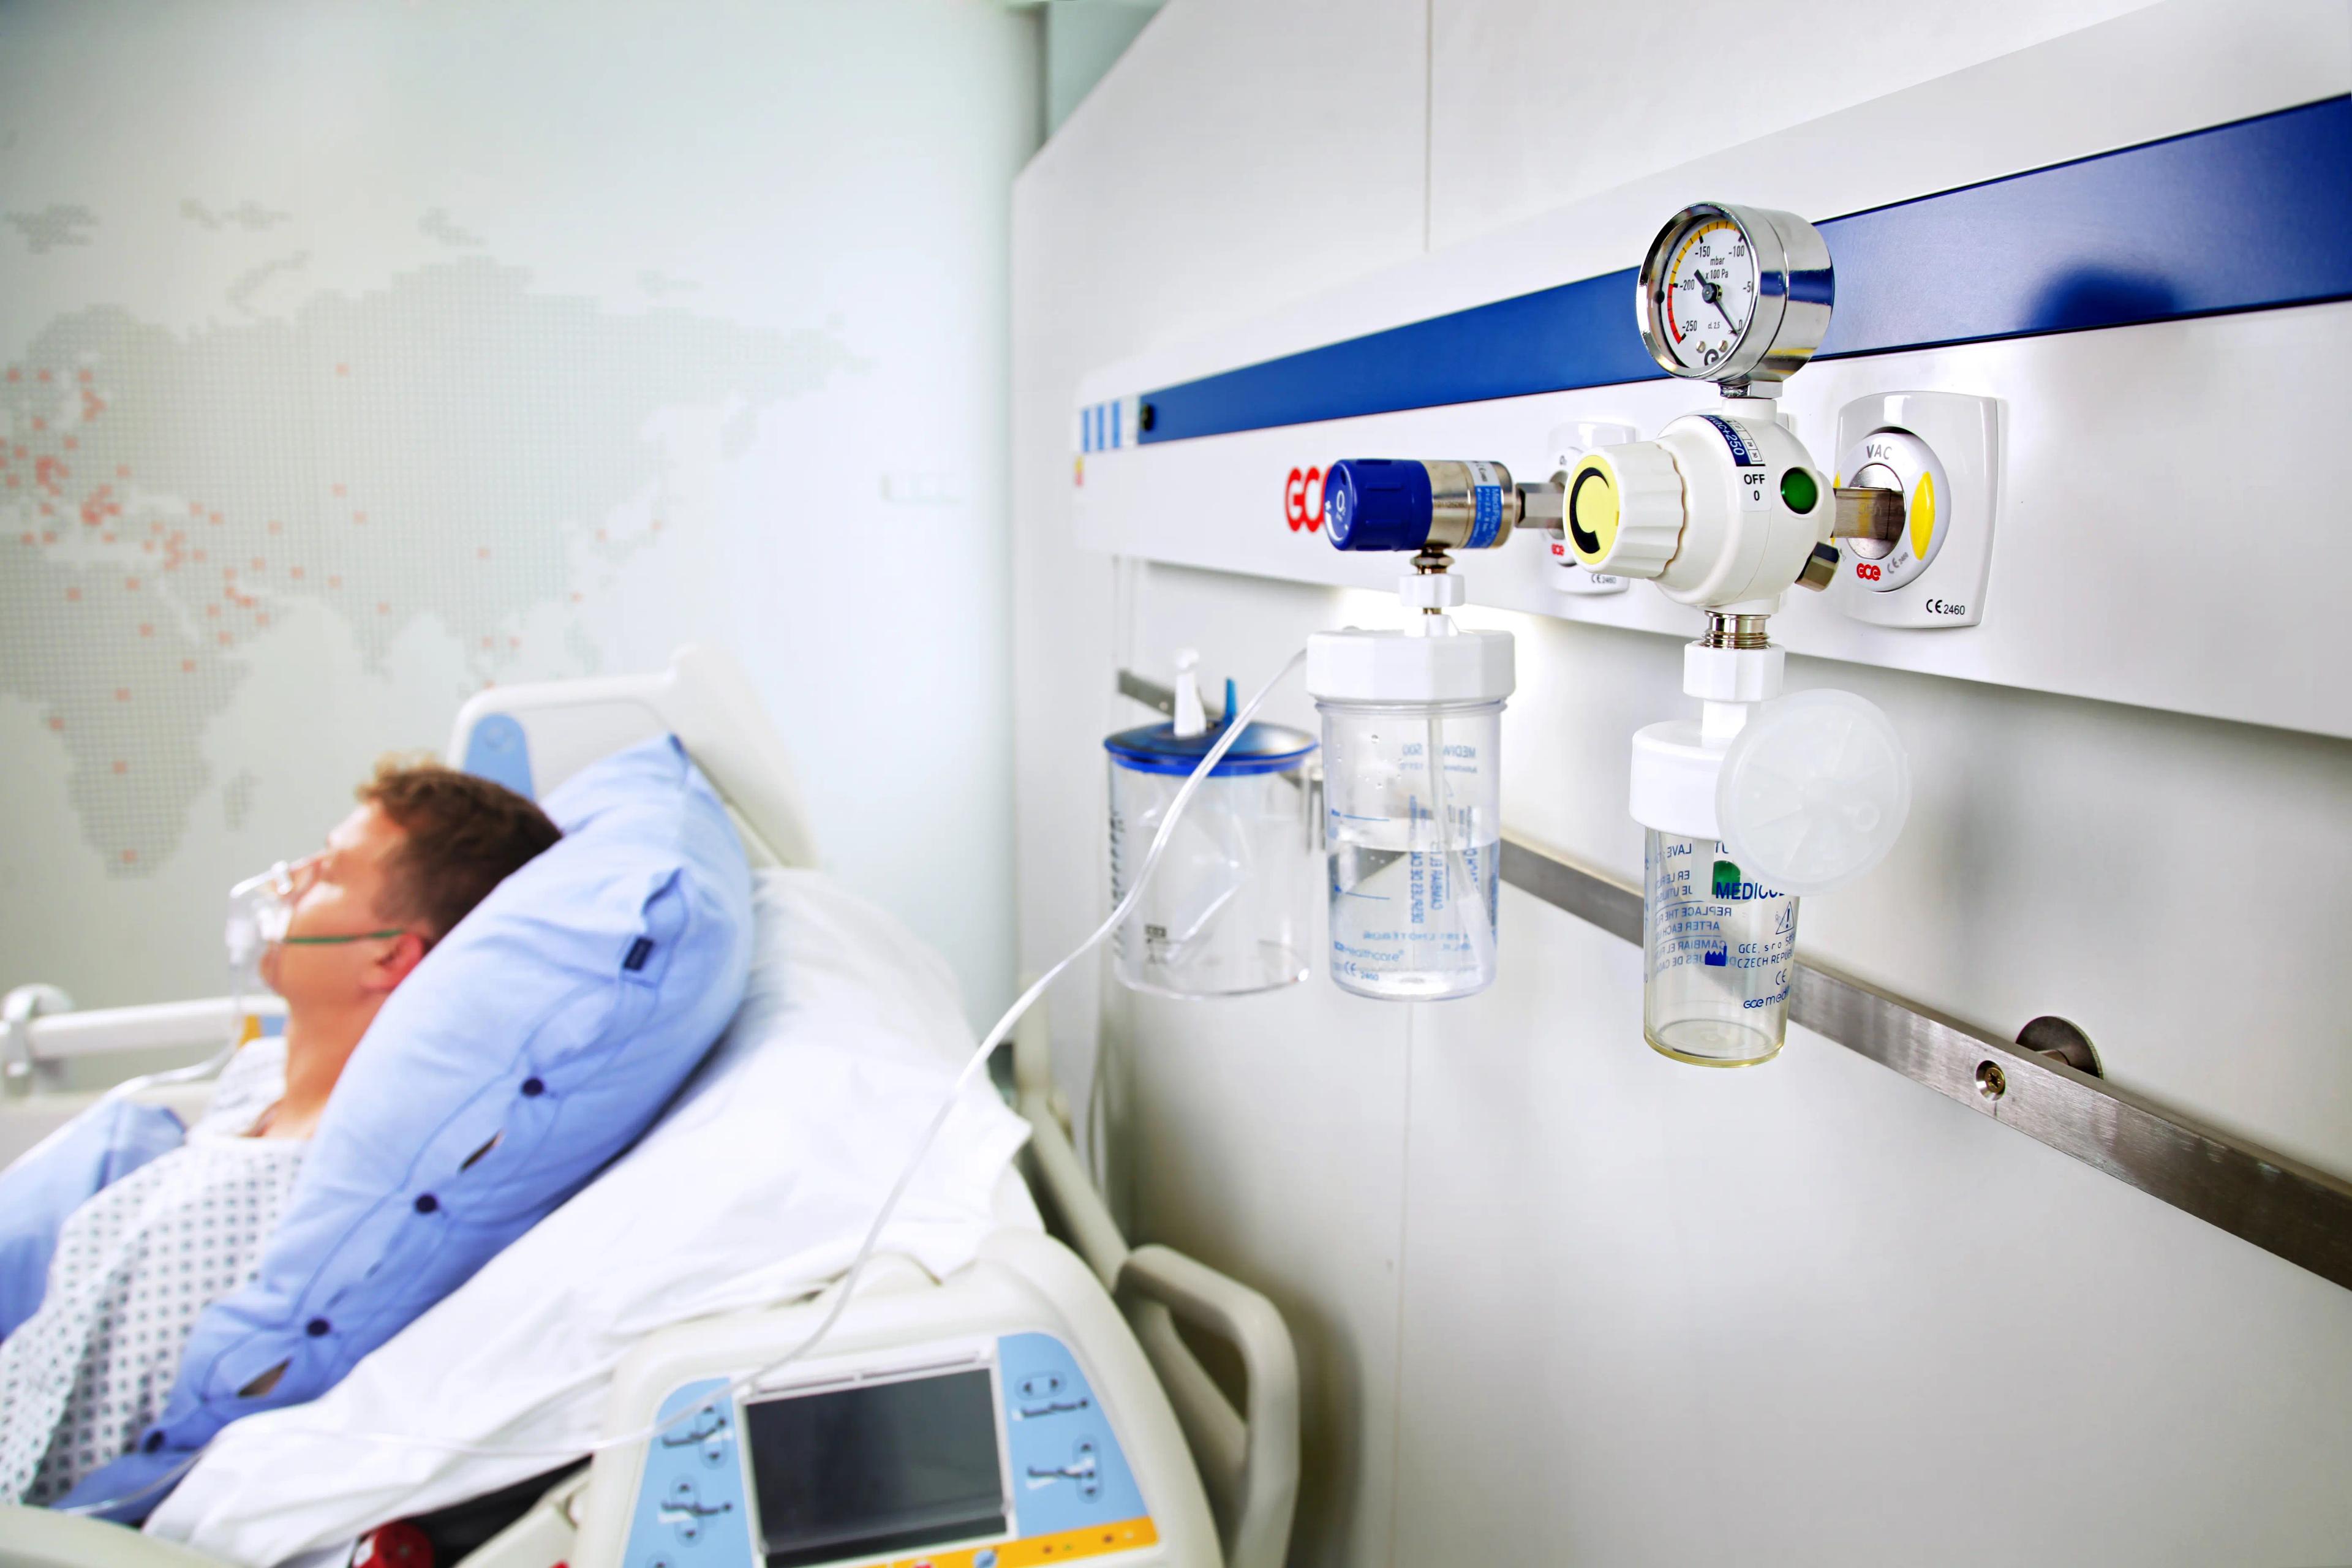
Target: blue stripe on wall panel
2243 217
1580 334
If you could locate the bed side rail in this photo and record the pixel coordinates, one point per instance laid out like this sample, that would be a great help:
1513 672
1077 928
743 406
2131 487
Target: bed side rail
1248 1459
40 1031
36 1538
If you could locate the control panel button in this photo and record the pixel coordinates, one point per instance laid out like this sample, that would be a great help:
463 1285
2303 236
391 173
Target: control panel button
1068 1470
690 1508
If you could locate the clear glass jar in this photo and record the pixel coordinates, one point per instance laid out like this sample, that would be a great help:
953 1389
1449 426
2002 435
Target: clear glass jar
1718 951
1227 912
1413 822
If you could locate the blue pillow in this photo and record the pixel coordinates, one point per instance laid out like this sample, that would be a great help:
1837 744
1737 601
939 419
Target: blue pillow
56 1176
532 1045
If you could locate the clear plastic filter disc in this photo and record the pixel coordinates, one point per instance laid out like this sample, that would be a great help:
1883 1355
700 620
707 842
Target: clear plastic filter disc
1814 790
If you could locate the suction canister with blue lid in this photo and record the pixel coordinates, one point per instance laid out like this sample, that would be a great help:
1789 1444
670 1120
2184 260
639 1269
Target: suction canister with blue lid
1229 910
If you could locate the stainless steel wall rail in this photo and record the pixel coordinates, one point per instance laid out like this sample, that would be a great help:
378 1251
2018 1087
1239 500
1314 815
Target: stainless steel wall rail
2280 1204
2295 1211
1150 693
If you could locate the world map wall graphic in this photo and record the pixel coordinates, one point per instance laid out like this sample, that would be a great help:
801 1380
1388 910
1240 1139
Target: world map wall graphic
440 448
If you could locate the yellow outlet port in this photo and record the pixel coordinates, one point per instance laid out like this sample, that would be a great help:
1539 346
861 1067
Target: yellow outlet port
1592 510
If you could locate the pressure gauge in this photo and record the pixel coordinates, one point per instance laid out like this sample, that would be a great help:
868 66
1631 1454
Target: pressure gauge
1735 295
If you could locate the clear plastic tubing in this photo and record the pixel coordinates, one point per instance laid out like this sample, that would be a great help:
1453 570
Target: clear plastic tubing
1719 950
1412 806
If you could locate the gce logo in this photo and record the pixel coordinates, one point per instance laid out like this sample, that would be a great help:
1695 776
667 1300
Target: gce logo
1866 571
1302 500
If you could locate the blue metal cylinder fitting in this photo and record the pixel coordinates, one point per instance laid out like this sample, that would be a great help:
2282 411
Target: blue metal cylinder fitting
1377 503
1403 504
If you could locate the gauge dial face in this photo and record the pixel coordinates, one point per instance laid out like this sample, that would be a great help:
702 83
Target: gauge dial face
1707 294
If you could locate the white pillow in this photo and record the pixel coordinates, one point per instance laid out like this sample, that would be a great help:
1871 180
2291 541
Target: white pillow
757 1185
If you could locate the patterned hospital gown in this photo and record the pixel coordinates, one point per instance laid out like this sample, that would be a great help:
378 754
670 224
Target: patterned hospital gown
83 1377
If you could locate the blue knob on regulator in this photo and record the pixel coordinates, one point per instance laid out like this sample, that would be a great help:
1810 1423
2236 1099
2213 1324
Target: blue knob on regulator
1377 503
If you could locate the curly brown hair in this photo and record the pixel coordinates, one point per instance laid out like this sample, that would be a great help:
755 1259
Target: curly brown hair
465 835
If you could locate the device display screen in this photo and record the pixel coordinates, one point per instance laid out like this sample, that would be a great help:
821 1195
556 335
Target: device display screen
859 1471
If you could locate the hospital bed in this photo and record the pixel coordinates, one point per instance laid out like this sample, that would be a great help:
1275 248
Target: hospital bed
1040 1404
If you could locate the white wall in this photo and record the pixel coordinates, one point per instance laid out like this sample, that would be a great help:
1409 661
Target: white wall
1084 39
1557 1299
624 323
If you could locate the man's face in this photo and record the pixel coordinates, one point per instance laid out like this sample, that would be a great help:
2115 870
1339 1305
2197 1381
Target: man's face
339 891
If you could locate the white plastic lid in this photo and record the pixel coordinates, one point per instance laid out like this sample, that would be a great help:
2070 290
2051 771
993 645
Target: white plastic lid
1813 792
1357 666
1675 778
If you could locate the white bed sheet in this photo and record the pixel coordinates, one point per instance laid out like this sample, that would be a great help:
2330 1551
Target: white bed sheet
756 1187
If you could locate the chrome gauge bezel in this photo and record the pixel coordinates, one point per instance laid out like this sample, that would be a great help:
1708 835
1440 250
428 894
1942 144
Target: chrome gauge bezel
1794 291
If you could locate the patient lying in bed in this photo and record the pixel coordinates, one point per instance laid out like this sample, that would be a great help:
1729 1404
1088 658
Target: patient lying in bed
137 1263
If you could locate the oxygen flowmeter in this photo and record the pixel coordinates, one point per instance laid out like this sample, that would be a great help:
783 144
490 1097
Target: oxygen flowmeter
1411 736
1762 798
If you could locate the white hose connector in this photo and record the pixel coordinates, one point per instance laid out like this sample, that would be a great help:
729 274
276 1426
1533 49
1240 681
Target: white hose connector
1432 590
1191 718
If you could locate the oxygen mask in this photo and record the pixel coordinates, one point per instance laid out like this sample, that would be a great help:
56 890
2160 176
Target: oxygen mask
261 914
259 909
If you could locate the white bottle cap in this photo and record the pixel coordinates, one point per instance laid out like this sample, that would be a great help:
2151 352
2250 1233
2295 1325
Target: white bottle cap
1733 674
1432 590
1675 776
1357 666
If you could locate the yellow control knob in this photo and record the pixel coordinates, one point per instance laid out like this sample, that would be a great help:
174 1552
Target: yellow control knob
1623 510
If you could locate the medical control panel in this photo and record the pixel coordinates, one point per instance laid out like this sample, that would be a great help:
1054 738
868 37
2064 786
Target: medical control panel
994 1455
2040 387
1001 1416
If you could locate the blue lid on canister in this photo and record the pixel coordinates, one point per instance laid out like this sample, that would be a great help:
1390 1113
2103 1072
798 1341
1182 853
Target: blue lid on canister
1159 749
1377 503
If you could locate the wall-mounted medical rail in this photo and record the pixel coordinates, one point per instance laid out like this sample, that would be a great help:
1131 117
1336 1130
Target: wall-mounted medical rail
2280 1204
2015 257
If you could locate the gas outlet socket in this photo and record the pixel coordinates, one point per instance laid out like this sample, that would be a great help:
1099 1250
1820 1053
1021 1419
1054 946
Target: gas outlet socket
1942 450
1564 445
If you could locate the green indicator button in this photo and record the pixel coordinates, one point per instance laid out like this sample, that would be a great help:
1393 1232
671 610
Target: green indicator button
1800 489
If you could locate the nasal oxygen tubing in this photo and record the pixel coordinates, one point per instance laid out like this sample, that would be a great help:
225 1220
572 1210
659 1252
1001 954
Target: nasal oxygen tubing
847 1288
